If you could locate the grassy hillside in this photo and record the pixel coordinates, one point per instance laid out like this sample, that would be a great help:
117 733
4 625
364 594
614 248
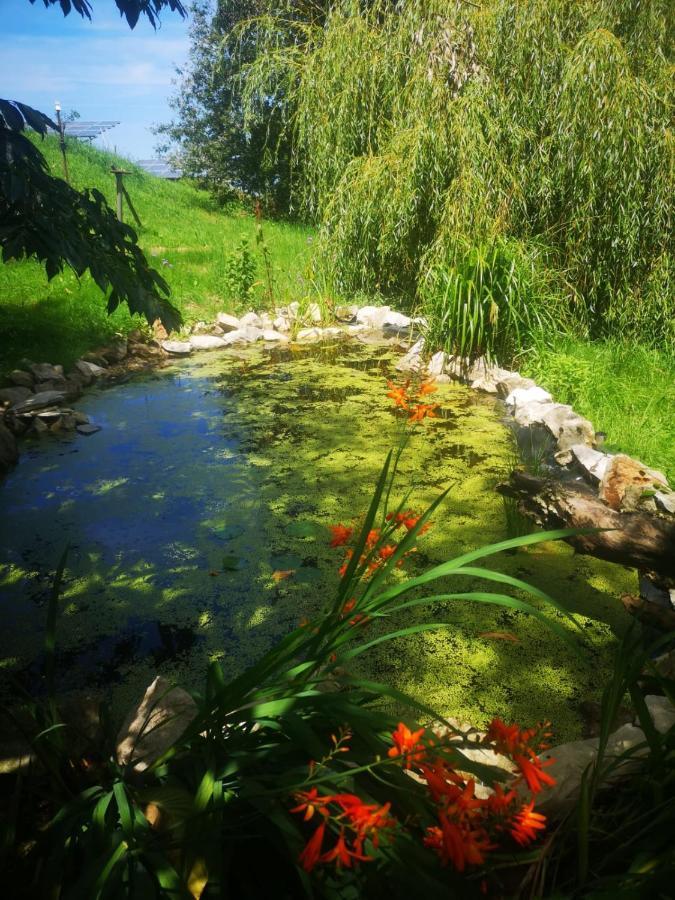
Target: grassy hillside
187 238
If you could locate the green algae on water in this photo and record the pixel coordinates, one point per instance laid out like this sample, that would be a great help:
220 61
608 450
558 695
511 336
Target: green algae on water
211 477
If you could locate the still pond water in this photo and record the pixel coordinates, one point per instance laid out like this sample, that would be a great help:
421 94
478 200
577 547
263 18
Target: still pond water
214 475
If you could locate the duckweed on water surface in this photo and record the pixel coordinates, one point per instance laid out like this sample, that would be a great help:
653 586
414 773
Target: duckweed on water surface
215 475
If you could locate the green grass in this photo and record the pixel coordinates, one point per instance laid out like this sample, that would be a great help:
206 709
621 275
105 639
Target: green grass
184 234
626 390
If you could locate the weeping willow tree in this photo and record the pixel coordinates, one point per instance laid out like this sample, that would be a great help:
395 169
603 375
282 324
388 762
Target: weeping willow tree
424 130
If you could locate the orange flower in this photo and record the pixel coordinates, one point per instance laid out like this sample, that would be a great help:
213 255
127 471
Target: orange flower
347 607
343 568
519 745
373 538
343 854
427 387
407 745
423 411
387 551
311 802
398 394
312 852
340 535
526 825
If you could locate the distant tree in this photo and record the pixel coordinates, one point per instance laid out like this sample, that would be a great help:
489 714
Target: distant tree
42 217
215 135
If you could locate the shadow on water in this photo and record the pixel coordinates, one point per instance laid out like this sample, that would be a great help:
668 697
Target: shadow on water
198 522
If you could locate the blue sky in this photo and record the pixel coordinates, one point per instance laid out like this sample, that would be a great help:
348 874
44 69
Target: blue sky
100 68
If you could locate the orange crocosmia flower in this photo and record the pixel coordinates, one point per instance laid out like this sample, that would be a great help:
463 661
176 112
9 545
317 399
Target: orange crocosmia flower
387 551
343 568
343 854
373 538
340 535
407 744
532 770
359 619
311 802
423 411
427 387
348 606
526 825
398 394
311 854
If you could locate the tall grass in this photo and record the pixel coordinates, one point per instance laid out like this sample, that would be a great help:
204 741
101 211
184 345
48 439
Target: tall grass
186 236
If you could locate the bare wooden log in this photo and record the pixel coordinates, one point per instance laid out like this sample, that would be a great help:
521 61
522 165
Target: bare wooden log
649 613
637 539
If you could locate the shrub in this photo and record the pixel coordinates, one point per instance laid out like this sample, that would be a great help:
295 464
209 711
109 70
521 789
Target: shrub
239 271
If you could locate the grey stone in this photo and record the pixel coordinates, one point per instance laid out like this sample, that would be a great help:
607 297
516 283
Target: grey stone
306 335
442 379
521 396
216 329
355 329
568 427
200 328
39 427
511 382
293 310
282 324
39 401
88 429
235 337
50 415
89 369
412 361
46 372
270 335
313 313
21 378
251 318
397 322
176 348
591 461
9 450
373 316
346 314
97 358
436 365
665 501
154 725
227 322
80 418
14 395
53 385
116 352
207 342
532 413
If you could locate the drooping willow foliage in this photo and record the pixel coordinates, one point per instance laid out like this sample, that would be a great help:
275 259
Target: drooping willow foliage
425 129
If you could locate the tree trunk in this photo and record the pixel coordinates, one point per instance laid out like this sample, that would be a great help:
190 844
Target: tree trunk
637 539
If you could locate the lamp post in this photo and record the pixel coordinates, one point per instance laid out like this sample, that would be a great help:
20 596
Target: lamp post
62 139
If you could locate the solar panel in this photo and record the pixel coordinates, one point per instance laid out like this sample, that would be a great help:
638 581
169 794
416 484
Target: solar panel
87 130
160 168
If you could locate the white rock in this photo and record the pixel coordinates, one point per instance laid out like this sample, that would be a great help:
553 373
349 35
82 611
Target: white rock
396 320
373 316
313 313
521 396
412 361
293 309
176 348
91 370
568 427
307 335
14 395
510 382
436 365
355 329
593 462
251 318
252 333
332 333
665 501
532 413
281 323
207 342
227 322
157 722
270 335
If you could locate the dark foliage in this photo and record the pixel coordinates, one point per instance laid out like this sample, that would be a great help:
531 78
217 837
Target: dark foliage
131 10
43 217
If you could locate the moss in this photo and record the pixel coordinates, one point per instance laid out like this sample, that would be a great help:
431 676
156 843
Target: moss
209 479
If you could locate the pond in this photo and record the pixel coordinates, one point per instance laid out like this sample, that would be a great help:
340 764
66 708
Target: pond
197 520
